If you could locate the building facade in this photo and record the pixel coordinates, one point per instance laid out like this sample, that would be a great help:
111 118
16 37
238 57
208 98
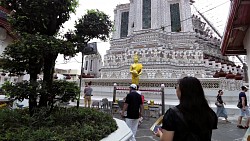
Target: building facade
92 65
170 41
6 37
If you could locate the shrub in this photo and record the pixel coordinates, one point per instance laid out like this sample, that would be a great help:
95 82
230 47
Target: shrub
63 124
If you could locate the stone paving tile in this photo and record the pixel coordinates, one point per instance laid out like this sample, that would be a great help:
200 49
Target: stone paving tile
225 131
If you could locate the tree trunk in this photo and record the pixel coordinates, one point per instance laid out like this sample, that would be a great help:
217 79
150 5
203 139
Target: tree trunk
32 95
49 65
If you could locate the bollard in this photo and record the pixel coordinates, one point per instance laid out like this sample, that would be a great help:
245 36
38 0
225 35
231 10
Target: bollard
114 93
162 99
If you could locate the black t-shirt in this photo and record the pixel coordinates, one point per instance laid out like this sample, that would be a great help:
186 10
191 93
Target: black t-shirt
219 99
134 101
172 122
242 94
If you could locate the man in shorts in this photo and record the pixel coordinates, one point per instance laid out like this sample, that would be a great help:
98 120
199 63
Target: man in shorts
244 111
87 95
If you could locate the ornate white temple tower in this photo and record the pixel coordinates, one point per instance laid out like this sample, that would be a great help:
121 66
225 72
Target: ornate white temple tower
170 41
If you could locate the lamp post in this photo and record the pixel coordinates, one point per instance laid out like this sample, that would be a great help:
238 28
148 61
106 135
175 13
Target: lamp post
162 99
86 49
114 93
80 83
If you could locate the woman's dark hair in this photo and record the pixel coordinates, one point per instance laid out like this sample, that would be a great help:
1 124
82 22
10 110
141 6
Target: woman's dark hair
193 103
219 93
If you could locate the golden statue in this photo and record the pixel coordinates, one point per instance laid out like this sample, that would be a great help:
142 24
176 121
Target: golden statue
136 70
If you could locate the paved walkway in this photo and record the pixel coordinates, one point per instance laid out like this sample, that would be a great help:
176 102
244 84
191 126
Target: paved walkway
225 131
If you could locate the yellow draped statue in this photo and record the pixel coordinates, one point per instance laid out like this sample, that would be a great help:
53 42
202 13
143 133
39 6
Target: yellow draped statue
136 70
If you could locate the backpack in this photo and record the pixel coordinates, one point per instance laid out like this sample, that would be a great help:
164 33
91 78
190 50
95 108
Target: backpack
190 136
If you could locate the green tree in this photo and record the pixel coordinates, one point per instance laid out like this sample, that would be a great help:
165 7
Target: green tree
27 54
64 91
37 23
94 24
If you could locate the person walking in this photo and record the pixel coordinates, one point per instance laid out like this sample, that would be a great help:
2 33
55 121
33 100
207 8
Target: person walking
134 107
87 95
142 97
192 119
221 111
244 110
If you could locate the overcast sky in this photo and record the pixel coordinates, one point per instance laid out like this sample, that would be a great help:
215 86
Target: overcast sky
217 13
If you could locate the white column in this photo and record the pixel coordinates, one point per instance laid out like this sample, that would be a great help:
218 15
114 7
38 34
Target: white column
132 18
138 12
185 13
160 10
117 22
154 13
167 19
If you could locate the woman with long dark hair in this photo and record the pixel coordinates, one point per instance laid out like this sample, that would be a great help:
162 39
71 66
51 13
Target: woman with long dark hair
221 111
192 119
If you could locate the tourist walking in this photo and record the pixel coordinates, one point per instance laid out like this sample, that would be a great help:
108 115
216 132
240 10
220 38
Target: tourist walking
134 107
221 111
87 94
244 110
142 98
192 119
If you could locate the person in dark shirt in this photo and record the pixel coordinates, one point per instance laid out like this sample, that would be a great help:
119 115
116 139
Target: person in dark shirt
221 111
87 94
244 110
134 106
197 119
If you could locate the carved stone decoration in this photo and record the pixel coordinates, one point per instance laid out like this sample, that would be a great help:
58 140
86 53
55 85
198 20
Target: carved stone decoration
183 75
197 75
173 75
113 76
129 75
158 74
144 75
104 75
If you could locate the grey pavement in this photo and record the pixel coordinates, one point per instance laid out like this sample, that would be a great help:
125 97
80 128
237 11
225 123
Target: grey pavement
225 131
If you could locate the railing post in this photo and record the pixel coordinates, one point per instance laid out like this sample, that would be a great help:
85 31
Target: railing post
114 93
162 99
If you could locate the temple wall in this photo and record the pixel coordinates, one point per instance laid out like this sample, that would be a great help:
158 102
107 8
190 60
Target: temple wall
103 88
